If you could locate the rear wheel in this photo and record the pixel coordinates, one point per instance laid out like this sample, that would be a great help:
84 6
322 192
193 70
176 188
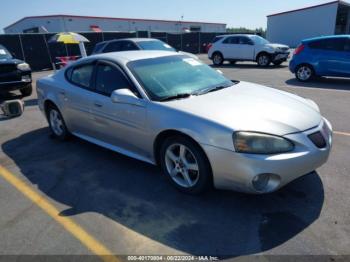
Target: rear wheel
304 73
218 59
185 165
27 91
57 125
264 60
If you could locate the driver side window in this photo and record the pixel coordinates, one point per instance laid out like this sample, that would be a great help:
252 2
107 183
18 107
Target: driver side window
108 79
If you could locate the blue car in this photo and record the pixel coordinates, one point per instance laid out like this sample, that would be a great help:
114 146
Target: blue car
322 56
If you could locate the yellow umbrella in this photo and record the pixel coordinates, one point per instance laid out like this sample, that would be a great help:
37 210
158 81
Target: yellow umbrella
70 38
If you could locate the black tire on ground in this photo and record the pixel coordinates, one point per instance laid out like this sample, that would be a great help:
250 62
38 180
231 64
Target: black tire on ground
57 125
264 60
218 59
304 73
202 178
27 91
278 63
233 62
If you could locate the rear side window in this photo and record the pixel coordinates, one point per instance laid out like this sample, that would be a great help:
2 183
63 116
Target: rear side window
81 75
128 46
231 40
113 47
109 78
335 44
217 38
98 48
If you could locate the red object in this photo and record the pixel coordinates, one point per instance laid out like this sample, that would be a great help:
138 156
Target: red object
96 28
65 60
299 49
207 47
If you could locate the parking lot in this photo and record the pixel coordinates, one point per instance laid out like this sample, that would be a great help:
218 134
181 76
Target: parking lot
81 199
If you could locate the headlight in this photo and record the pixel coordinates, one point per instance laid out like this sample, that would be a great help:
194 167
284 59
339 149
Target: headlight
257 143
23 67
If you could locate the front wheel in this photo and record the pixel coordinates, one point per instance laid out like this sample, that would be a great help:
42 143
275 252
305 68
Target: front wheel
304 73
264 60
218 59
57 125
185 165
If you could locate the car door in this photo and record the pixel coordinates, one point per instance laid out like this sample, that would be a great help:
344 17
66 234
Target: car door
76 97
332 56
230 47
118 124
246 48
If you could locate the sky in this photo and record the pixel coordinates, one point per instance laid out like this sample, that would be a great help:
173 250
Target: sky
236 13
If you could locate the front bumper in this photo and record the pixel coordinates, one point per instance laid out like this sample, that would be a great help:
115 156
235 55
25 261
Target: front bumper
15 80
235 171
280 56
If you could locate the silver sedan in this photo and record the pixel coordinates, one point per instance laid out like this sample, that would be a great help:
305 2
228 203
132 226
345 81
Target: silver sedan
201 128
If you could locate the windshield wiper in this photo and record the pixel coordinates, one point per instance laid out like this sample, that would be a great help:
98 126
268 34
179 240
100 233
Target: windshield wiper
177 96
211 89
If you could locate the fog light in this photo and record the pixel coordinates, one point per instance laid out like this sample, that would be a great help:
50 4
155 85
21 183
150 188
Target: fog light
26 78
264 183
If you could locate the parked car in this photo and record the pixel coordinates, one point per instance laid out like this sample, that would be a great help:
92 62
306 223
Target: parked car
322 56
14 74
130 44
174 111
235 48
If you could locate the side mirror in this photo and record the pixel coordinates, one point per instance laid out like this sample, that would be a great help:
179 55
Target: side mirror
125 96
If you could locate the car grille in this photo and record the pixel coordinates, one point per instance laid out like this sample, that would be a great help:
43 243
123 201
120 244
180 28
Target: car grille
318 140
7 68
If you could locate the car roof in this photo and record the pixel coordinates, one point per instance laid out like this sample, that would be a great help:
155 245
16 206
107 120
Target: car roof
135 40
236 35
325 37
127 56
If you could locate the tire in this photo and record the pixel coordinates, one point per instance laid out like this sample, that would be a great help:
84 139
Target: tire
57 125
304 73
27 91
278 63
185 165
264 60
218 59
233 62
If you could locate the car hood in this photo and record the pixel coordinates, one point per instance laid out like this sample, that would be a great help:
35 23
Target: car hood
251 107
276 46
188 54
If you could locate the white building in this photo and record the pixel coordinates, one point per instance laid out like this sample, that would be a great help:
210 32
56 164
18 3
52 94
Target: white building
72 23
293 26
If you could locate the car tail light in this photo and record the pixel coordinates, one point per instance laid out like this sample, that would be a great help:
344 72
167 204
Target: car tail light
209 46
299 49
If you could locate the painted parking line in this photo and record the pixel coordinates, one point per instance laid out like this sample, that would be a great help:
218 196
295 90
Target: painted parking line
341 133
72 227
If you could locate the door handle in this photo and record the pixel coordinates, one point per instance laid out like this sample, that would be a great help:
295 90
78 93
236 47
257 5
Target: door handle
97 104
62 92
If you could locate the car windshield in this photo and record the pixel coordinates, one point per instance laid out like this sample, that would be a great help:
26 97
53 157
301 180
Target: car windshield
176 76
259 40
155 45
4 54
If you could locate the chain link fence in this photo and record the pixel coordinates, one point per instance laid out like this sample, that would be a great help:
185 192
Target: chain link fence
36 51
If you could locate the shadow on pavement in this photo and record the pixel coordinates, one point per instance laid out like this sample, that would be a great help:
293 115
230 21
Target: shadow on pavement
323 83
227 224
249 66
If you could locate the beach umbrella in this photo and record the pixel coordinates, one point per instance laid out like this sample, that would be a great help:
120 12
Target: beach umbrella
71 38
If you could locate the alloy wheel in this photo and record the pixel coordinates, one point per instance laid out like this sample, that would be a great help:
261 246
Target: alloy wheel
56 122
304 73
182 165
